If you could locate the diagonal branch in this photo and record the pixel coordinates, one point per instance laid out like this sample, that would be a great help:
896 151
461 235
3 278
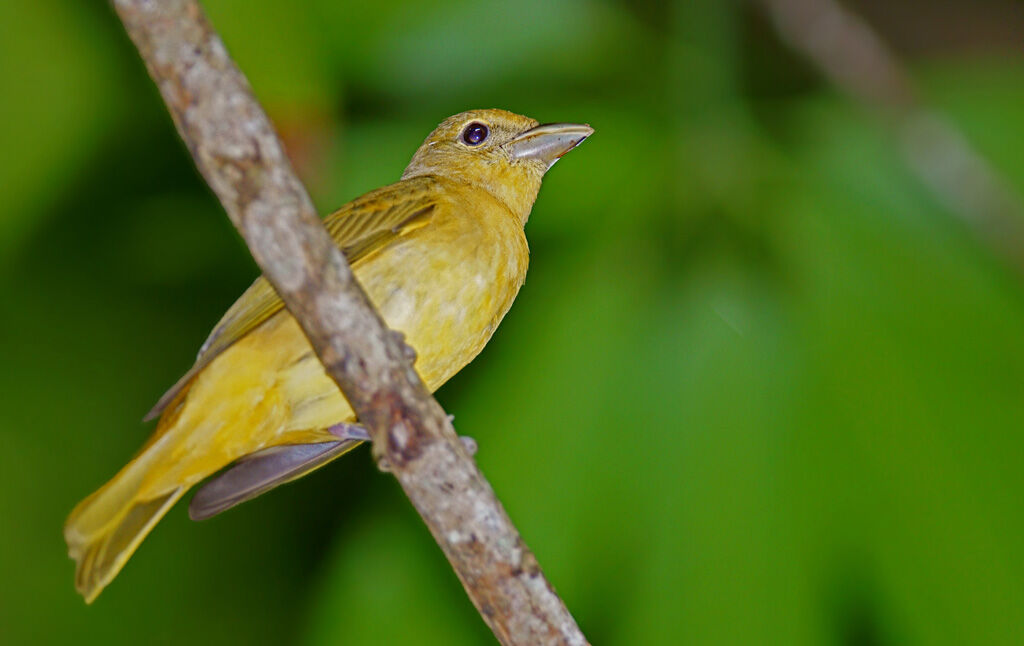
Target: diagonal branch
241 158
854 58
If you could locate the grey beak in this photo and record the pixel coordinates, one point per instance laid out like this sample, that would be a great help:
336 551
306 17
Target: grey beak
549 141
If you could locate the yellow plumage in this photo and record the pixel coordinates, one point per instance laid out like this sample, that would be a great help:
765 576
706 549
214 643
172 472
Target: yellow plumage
441 254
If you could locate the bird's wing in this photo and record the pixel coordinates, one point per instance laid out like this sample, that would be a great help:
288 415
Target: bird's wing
359 228
257 474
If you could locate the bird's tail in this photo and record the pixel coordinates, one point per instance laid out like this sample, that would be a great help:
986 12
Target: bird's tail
105 529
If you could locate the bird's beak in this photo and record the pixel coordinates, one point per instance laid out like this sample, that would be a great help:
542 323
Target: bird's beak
549 141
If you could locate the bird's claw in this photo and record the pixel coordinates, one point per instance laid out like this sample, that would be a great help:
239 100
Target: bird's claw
345 431
360 434
469 444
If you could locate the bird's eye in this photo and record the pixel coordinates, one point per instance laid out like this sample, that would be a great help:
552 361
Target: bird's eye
474 134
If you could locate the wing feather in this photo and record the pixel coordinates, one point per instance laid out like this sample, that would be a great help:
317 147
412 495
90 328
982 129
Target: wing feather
359 228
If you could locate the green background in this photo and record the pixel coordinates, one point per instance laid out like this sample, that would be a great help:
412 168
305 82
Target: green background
761 386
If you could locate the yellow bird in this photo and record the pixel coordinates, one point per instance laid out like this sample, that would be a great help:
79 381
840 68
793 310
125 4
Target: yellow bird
441 254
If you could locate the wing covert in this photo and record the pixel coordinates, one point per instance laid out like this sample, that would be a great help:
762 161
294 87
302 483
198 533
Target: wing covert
359 228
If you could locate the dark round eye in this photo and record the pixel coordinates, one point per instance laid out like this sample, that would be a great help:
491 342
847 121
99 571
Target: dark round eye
474 134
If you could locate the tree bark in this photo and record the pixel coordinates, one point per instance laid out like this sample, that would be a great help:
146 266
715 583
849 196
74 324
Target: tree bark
241 158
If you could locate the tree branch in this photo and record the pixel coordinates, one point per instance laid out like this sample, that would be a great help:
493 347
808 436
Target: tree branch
241 158
854 58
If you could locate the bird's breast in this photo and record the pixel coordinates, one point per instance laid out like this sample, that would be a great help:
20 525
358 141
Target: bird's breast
447 285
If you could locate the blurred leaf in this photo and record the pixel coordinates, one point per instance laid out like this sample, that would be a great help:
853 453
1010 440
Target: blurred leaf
390 584
58 78
280 48
484 44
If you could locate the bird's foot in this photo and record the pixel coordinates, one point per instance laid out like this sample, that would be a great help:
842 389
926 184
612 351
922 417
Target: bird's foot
359 433
469 444
349 432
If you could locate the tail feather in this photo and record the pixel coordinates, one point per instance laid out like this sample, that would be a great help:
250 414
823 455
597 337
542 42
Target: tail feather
106 528
103 532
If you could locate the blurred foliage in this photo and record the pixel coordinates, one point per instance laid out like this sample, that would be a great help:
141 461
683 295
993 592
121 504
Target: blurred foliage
759 387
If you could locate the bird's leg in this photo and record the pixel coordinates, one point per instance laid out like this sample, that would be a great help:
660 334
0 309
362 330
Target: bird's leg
359 433
345 431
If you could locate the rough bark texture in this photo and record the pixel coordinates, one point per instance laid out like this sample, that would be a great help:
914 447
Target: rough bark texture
237 151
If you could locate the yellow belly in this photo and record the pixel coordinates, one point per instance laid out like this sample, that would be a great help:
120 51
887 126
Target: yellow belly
446 288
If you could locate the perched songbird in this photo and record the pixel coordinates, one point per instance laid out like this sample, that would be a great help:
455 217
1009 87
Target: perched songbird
442 254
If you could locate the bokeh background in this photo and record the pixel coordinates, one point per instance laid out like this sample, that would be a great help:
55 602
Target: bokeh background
762 386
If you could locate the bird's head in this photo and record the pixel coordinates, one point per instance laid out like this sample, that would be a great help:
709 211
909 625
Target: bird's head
504 153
